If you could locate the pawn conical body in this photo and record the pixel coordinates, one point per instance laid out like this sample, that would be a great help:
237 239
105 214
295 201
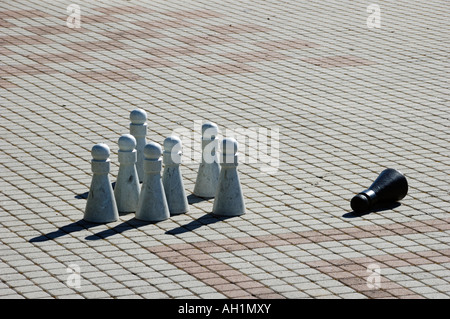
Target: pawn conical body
209 168
138 128
172 178
152 205
101 205
127 186
229 199
390 186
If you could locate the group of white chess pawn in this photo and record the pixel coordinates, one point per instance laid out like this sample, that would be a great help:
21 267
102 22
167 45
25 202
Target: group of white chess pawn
160 197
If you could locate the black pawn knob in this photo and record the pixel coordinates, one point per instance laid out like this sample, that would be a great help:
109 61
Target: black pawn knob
389 187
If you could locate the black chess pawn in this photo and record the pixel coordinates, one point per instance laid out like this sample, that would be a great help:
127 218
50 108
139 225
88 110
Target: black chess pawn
389 187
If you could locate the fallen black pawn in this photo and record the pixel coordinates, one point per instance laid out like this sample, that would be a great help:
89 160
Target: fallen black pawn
390 186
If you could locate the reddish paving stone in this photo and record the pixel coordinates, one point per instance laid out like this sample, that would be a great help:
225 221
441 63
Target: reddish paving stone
341 237
104 76
205 275
396 263
238 294
445 252
249 284
24 40
199 271
408 255
168 254
215 281
351 272
287 236
382 258
440 259
442 227
403 231
131 35
263 293
428 253
194 253
204 244
176 258
377 294
330 232
270 296
4 23
212 249
219 267
355 273
206 39
223 288
6 84
238 278
225 242
210 262
382 232
286 44
298 241
419 261
19 14
254 245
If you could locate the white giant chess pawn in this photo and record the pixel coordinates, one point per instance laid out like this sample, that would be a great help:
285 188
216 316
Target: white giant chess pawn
138 128
152 206
229 200
127 186
101 204
172 178
209 168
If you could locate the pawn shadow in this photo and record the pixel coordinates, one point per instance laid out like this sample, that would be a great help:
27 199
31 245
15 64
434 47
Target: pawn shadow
204 220
377 208
133 223
194 199
65 230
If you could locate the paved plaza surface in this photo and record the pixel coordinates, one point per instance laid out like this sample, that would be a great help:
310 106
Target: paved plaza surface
332 96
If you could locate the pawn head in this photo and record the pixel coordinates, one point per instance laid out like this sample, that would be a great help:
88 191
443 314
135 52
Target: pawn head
138 116
127 143
209 130
100 152
229 152
172 150
229 146
172 143
152 151
360 203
